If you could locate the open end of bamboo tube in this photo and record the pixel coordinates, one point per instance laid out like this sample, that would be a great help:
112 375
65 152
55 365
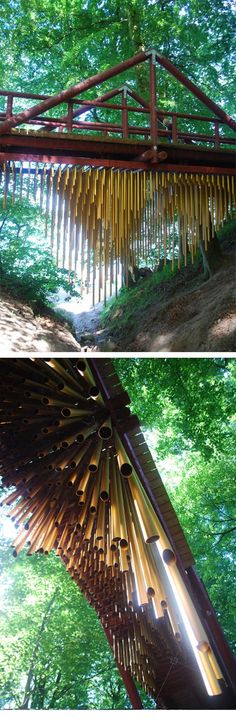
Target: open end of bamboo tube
169 557
94 392
80 438
203 646
105 432
124 544
152 539
104 496
126 470
65 412
81 365
93 468
151 592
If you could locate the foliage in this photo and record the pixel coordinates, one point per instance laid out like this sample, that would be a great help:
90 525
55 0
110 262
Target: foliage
50 43
54 654
189 401
27 267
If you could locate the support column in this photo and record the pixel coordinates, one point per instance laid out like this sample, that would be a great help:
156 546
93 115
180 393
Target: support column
124 114
153 104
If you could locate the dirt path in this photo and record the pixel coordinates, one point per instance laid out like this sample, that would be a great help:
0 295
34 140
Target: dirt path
87 325
185 314
21 331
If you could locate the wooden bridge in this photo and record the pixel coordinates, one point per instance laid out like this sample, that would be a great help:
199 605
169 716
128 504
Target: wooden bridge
67 138
137 178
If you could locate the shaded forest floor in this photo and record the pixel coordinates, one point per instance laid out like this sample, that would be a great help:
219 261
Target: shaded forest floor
22 331
165 312
182 313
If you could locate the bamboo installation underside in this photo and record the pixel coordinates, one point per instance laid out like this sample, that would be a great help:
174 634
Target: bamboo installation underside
77 492
103 222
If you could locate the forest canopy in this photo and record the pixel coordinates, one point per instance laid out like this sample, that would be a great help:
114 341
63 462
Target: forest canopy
54 653
50 44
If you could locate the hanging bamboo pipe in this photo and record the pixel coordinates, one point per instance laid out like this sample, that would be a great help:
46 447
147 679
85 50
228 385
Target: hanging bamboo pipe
105 478
105 430
95 492
150 574
95 458
115 508
88 533
150 522
100 531
213 684
120 499
73 411
194 621
55 369
84 370
84 482
125 467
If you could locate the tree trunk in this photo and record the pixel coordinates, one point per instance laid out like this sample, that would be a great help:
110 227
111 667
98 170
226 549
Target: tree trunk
211 256
27 691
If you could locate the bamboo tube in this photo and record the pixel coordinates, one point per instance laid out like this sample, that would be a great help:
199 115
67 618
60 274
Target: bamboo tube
213 687
20 541
120 212
38 539
147 569
150 523
214 664
124 563
62 539
84 370
84 482
95 493
120 499
49 541
194 620
100 531
36 515
105 430
115 508
125 467
95 458
105 478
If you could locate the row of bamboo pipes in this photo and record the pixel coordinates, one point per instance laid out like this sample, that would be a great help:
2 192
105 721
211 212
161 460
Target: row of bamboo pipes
77 491
104 222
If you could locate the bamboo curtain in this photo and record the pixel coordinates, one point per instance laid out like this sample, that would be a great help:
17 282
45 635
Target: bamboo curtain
76 491
103 222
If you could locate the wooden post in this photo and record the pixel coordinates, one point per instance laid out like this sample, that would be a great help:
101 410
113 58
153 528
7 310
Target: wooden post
9 106
70 116
153 101
217 134
174 128
124 113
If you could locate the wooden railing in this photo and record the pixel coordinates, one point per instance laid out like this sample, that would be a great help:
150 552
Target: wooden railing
160 124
